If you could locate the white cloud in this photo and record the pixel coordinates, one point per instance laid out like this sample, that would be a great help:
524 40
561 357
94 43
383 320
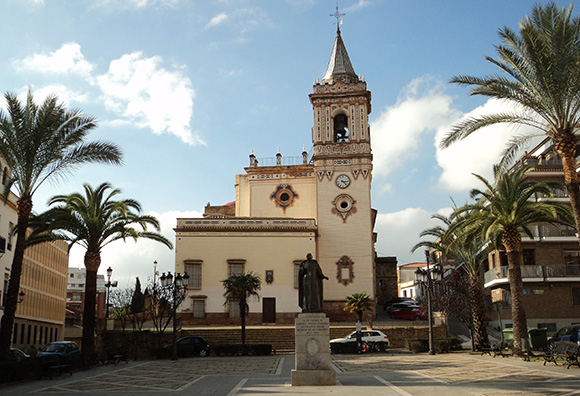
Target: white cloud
68 59
217 20
476 153
64 94
421 108
142 91
131 259
399 231
135 4
359 5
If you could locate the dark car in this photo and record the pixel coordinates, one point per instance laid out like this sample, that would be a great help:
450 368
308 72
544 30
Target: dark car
190 346
396 300
566 334
400 305
19 355
60 352
410 312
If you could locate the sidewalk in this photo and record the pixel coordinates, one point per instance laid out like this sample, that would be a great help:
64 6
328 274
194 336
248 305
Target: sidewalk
393 373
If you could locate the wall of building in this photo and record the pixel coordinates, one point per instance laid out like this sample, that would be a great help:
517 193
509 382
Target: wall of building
261 251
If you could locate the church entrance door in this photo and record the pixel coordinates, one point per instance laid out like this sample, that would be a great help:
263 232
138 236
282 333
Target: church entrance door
269 310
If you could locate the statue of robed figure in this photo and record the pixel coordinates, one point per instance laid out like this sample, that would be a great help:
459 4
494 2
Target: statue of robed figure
310 278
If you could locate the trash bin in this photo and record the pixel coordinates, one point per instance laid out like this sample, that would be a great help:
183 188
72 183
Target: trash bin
508 334
538 338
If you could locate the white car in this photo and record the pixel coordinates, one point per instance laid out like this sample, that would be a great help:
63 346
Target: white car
376 340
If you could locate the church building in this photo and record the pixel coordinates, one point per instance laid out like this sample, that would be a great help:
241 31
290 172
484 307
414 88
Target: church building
283 211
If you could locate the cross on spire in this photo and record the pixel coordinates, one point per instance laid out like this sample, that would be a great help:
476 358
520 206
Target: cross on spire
337 15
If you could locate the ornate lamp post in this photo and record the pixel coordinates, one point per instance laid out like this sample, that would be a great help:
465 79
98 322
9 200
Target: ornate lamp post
426 277
21 297
176 284
108 285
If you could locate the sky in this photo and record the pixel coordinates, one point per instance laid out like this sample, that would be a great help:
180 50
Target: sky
187 88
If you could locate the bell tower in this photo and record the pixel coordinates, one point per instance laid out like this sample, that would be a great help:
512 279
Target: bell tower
342 161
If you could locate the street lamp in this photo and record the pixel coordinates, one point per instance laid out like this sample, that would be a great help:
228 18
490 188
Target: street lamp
108 285
168 281
21 297
426 276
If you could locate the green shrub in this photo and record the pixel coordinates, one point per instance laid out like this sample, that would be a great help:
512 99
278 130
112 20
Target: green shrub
417 345
11 371
443 345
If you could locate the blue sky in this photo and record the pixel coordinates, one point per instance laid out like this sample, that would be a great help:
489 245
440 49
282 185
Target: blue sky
188 88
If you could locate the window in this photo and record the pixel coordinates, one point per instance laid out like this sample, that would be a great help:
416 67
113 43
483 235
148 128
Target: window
550 327
236 267
296 271
529 257
10 234
341 128
193 269
572 257
199 308
576 296
234 308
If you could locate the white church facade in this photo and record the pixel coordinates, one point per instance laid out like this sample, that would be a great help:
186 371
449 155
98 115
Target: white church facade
321 205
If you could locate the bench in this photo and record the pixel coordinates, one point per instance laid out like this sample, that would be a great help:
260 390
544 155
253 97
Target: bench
116 358
567 351
492 351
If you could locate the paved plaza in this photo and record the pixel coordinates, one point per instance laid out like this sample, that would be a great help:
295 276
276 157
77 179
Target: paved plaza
384 374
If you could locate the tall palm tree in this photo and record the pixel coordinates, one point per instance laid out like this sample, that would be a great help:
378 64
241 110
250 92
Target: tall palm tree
93 221
504 210
466 249
40 143
541 77
240 288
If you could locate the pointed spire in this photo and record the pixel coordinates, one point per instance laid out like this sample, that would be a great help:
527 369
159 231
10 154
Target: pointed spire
339 66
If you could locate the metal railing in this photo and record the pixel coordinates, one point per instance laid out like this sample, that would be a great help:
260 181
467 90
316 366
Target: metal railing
540 272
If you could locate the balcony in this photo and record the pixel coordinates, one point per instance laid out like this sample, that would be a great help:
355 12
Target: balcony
551 233
535 273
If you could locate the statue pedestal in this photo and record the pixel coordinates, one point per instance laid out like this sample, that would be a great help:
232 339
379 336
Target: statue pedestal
312 335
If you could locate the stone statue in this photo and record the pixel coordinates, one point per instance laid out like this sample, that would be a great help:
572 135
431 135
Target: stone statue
310 278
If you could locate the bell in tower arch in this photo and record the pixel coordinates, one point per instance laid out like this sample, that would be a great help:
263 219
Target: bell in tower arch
341 128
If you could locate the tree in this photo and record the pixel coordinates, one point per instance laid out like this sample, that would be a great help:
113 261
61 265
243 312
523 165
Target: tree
501 212
94 220
40 143
466 249
138 314
240 288
541 77
159 304
358 303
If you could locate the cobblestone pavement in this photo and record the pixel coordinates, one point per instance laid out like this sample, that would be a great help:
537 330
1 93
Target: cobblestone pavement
395 374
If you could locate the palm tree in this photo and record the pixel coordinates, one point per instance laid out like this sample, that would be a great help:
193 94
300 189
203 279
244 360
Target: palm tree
358 303
466 249
93 221
240 288
541 77
501 213
40 143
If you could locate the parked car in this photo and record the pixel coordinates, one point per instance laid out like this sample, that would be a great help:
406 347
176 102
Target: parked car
376 340
566 334
403 304
396 301
19 355
190 346
60 352
410 312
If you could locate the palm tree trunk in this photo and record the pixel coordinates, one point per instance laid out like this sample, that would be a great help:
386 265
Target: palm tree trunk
92 263
519 319
477 303
566 149
243 317
11 303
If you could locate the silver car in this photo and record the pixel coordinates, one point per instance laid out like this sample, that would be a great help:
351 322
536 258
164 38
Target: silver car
376 340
